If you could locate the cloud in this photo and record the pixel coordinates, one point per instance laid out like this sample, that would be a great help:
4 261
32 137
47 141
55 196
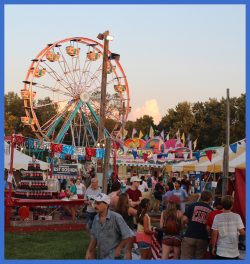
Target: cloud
150 108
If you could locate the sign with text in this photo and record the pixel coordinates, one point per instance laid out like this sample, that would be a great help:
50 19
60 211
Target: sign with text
64 171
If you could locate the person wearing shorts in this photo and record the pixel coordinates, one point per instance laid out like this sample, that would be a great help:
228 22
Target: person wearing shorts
144 230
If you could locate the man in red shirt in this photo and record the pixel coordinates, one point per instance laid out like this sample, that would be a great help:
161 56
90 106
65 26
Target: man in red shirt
218 209
133 193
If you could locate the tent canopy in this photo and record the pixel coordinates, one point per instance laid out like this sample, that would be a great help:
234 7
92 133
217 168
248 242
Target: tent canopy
236 160
21 160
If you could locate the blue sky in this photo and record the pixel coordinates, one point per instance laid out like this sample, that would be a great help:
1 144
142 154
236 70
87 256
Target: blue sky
170 53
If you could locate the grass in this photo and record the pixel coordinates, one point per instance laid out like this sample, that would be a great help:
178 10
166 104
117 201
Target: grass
46 245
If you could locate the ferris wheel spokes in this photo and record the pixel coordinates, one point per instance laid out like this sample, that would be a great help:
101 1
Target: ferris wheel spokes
58 118
67 122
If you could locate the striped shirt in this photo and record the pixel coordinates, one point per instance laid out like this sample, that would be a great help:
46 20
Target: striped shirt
228 225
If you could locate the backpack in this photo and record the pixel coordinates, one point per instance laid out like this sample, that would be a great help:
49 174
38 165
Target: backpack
172 225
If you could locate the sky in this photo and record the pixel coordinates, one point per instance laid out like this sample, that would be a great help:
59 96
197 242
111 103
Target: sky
170 53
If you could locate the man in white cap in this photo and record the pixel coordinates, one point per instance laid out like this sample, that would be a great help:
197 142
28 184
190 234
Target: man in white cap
109 232
133 192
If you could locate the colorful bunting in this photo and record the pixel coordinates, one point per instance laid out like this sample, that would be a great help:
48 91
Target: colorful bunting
151 132
209 154
134 153
155 158
197 155
145 157
91 152
56 147
162 134
140 134
68 149
100 153
195 144
134 131
234 147
183 138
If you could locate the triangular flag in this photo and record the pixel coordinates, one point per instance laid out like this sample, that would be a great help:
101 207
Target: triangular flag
151 132
183 138
125 132
195 144
185 155
140 134
197 155
145 156
162 148
162 134
134 153
154 158
178 134
146 137
190 144
209 154
125 150
167 137
134 131
234 147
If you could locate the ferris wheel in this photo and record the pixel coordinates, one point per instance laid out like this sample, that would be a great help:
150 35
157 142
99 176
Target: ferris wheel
62 93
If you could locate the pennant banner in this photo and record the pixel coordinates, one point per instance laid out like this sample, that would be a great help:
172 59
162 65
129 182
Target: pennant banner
234 147
197 155
134 153
209 154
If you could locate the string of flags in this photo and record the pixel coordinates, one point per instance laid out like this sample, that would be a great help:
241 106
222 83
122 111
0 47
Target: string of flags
59 150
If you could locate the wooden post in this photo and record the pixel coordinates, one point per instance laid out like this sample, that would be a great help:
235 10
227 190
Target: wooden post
103 88
226 149
106 165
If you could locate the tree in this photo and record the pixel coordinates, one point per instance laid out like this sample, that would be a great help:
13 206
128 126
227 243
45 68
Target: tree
14 110
144 123
181 118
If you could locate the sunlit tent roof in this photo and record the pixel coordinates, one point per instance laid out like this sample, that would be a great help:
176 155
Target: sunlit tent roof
20 159
236 160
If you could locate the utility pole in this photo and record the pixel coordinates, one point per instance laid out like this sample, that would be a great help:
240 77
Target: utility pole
106 165
123 114
226 149
103 85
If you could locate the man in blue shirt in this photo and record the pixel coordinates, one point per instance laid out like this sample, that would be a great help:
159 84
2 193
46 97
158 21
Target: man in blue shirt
109 232
181 194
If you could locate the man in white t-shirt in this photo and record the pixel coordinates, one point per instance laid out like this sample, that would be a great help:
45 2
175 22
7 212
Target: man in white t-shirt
226 229
143 187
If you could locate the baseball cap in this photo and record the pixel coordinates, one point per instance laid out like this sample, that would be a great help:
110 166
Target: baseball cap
102 197
135 179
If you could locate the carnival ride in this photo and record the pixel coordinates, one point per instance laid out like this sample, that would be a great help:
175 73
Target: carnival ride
66 77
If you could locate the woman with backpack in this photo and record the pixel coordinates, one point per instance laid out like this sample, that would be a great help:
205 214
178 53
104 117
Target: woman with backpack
144 229
171 224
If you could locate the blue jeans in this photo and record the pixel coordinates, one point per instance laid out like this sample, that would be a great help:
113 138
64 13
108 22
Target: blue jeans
143 245
90 218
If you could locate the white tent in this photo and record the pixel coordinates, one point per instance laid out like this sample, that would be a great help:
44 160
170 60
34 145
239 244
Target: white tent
20 159
236 160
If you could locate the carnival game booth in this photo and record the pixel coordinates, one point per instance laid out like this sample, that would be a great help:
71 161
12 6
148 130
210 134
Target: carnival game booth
149 157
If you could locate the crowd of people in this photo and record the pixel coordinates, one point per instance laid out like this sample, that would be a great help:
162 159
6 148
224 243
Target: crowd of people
124 221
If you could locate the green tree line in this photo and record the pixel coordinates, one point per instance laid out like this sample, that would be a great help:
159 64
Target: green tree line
205 121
